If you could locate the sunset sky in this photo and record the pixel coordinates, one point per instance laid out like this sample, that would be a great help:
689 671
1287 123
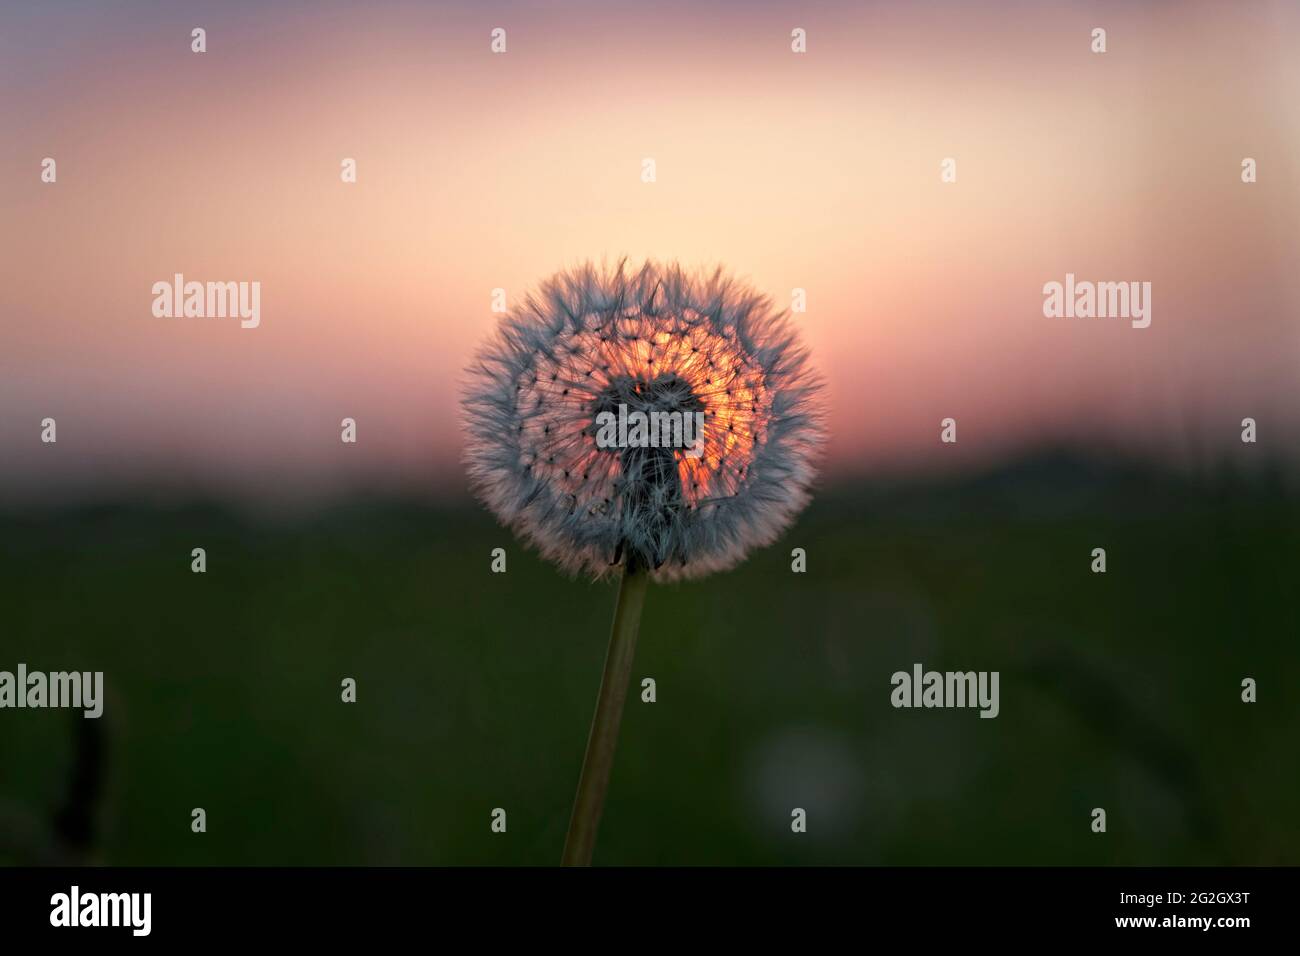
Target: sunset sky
476 171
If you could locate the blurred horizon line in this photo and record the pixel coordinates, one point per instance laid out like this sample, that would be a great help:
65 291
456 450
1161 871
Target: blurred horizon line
447 487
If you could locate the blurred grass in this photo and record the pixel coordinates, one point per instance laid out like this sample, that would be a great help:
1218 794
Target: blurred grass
475 689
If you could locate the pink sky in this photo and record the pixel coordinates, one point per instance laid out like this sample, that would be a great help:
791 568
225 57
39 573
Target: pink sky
476 171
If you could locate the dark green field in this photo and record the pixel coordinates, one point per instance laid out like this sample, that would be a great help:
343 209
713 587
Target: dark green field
475 689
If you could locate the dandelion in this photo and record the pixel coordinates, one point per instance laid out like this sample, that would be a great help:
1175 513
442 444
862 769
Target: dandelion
662 344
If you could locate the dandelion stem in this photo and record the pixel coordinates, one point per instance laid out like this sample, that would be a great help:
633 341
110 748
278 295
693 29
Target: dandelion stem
599 760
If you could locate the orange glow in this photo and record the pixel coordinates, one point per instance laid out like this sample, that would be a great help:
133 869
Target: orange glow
477 172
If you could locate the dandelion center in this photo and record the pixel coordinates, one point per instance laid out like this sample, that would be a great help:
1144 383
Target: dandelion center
664 363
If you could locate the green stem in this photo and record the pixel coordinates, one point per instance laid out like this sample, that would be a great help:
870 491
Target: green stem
599 761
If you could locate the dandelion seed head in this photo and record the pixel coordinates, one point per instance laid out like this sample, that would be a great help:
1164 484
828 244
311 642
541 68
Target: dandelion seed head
657 339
